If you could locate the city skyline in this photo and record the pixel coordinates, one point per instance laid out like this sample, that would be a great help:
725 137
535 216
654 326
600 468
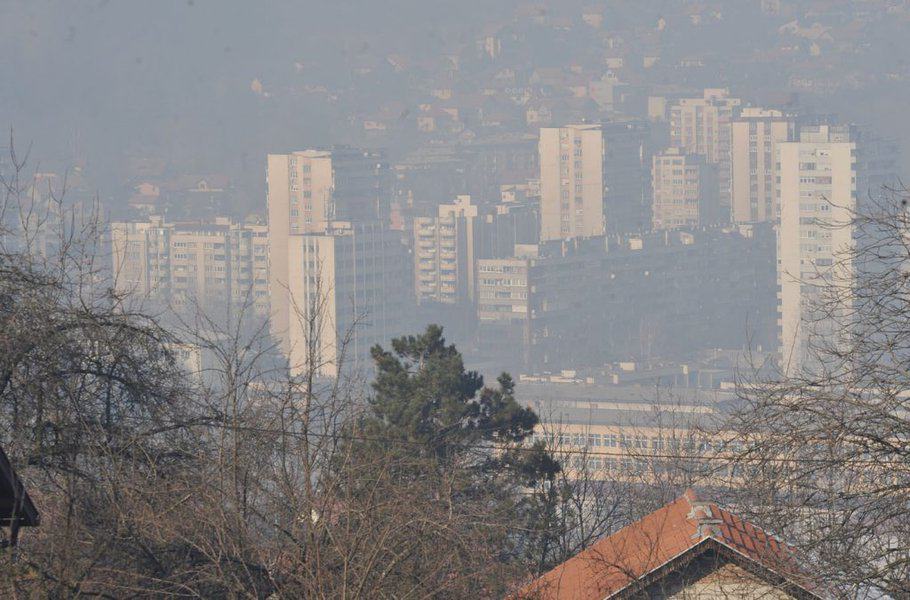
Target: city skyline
410 299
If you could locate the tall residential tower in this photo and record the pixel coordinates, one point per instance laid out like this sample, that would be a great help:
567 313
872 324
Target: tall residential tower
349 289
571 182
703 126
307 191
824 177
755 136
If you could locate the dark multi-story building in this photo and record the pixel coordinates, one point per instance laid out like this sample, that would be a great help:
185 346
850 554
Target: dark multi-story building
626 173
584 303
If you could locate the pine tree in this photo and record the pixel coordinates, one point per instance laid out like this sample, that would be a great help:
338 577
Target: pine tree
423 393
444 425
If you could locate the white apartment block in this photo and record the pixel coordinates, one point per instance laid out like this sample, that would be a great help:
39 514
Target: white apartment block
204 265
444 253
817 194
348 290
829 172
703 126
299 196
571 182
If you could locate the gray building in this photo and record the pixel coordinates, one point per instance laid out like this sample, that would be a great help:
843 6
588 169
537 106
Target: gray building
585 303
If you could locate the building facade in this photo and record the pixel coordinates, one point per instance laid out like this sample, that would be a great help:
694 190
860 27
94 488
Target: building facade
824 177
703 126
626 169
586 303
309 189
503 307
507 224
207 265
445 249
684 191
571 182
755 135
348 289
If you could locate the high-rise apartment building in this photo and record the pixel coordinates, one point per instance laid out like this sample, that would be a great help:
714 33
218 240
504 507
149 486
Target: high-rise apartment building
755 135
362 181
703 126
206 265
824 176
445 248
684 190
348 290
299 193
571 182
507 224
300 188
581 165
626 170
306 191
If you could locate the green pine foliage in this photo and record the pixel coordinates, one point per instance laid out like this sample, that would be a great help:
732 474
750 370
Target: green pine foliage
424 396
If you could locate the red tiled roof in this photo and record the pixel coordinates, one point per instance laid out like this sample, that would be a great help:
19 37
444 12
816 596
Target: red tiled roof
681 527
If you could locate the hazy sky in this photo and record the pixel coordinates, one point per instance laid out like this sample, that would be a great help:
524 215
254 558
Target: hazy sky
117 76
105 80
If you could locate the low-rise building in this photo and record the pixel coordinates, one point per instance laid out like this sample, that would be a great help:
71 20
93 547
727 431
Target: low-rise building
690 548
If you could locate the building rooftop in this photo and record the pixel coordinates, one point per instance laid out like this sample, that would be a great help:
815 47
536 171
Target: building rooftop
648 395
16 507
665 541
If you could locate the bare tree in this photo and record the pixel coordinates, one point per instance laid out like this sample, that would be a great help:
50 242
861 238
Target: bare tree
243 476
824 451
90 396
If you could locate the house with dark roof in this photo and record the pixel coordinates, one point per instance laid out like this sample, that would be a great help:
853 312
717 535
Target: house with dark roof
690 548
16 507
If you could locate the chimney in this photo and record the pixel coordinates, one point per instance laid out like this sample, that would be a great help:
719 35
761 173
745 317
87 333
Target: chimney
706 523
